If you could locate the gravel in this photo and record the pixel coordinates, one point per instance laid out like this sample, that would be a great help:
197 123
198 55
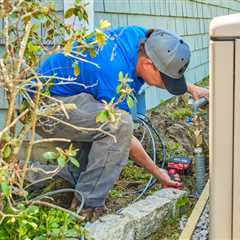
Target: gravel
201 231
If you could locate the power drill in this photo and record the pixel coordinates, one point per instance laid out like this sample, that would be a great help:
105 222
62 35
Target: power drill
179 165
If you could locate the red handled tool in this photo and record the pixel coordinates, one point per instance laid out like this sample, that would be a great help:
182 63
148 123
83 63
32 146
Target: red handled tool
179 166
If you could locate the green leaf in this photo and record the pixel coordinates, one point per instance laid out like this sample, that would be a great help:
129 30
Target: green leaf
68 47
33 225
120 76
33 48
76 69
181 202
119 88
112 117
26 19
61 160
69 13
33 210
5 188
40 238
21 206
4 234
23 106
78 2
130 102
6 137
72 153
45 11
104 24
74 161
50 155
102 117
93 52
35 27
6 151
100 37
112 100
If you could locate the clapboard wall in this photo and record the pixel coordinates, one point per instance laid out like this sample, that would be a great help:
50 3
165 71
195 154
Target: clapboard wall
189 18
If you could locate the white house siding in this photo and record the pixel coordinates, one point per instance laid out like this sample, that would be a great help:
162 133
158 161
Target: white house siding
189 18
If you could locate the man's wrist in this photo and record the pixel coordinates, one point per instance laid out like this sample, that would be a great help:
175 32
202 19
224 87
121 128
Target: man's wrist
190 88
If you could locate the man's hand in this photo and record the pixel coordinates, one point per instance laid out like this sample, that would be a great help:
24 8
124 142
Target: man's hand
167 182
198 92
139 155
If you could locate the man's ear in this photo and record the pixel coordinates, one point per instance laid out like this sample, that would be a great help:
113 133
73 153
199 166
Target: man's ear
147 62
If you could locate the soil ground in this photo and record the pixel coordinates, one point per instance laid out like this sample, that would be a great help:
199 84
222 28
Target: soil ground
170 120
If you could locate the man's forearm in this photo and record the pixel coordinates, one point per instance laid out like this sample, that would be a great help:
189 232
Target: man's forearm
139 155
197 92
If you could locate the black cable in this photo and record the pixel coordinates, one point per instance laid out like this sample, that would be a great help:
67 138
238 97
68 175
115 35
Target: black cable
146 188
147 123
164 148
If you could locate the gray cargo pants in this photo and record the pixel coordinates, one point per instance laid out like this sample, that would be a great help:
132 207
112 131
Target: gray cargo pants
105 159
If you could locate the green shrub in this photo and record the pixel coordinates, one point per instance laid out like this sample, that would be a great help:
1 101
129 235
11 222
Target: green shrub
40 223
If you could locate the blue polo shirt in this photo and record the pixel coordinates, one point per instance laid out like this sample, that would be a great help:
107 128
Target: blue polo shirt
100 79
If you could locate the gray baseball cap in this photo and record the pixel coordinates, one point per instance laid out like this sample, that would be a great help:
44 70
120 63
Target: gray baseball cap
170 54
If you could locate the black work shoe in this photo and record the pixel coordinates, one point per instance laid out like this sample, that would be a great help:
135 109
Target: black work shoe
92 214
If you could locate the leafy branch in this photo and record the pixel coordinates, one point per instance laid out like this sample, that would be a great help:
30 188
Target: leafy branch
124 93
24 48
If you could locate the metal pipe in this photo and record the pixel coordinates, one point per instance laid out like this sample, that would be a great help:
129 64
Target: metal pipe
200 171
199 103
198 150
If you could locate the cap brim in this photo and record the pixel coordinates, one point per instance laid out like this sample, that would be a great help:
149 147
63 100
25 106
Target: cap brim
174 86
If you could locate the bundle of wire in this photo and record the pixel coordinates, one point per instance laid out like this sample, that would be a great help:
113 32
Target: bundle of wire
149 129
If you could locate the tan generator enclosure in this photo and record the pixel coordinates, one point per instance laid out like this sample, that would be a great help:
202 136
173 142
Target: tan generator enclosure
225 127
